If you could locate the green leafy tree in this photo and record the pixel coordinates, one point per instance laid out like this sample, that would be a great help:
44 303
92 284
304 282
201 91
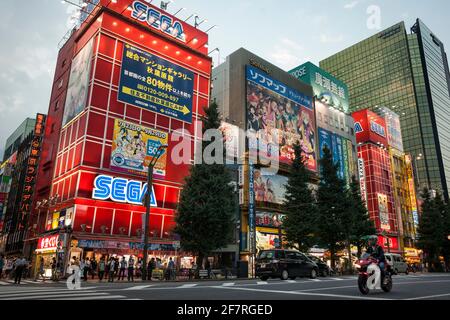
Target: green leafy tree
300 220
205 215
332 208
430 228
446 235
362 225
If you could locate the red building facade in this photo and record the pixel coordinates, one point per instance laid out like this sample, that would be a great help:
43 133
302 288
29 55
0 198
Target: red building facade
79 144
376 176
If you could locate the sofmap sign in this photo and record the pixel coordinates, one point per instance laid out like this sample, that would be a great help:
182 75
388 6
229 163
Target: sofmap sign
153 83
121 190
158 20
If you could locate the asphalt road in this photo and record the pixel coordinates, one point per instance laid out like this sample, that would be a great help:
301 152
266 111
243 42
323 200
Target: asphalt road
406 287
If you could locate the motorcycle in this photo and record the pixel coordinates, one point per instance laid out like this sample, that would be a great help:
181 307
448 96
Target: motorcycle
370 276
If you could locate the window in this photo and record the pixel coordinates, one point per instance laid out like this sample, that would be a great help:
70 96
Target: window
56 105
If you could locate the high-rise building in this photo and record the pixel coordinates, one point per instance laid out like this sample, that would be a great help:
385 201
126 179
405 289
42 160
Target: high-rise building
17 137
126 79
408 73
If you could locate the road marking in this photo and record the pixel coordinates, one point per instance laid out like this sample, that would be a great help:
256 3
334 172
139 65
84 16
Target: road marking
138 288
316 280
303 293
430 297
261 283
56 296
228 284
103 297
189 285
37 293
291 281
337 279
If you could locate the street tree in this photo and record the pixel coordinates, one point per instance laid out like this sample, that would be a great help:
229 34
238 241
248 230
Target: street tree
300 220
430 228
362 225
332 207
205 215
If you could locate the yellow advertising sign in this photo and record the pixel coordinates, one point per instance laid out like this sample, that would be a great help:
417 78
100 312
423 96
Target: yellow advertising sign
134 147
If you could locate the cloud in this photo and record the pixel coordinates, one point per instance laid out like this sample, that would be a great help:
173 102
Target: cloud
351 5
288 54
325 38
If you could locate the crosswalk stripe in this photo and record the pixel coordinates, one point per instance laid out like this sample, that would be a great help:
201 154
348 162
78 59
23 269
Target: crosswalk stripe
291 281
262 282
337 279
228 284
316 280
96 298
138 288
56 296
189 285
37 293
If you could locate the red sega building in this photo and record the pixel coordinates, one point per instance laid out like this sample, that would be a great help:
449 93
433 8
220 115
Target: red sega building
375 176
88 139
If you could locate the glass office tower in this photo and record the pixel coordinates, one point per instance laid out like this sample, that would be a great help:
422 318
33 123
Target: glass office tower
407 73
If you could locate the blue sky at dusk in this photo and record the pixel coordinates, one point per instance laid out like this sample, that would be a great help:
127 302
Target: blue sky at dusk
287 33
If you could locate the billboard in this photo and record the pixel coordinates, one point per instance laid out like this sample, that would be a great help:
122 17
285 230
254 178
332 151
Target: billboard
384 212
134 147
77 91
325 87
269 219
341 150
153 83
231 135
394 129
279 117
370 127
267 241
270 188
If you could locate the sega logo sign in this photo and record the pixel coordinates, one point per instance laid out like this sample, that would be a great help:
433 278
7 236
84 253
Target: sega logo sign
121 190
358 127
158 20
378 129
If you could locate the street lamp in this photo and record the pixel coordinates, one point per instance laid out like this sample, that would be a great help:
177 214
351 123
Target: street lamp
147 201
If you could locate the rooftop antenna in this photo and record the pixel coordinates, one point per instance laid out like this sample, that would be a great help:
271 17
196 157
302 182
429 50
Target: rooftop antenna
165 4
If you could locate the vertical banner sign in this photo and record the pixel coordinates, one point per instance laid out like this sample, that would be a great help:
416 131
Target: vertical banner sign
345 166
384 213
153 83
251 210
362 179
32 167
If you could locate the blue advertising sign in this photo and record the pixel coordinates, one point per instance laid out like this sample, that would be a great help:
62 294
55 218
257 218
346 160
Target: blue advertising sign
156 84
251 210
324 141
340 156
263 80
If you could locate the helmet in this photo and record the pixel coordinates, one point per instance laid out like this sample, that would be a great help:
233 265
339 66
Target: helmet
373 240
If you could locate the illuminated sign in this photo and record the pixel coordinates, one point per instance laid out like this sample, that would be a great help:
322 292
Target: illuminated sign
378 129
362 179
358 127
158 20
48 243
121 190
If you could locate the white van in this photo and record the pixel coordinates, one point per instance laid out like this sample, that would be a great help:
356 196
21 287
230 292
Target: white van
397 263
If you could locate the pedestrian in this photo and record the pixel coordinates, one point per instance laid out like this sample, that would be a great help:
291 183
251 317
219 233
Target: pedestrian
131 269
19 266
116 266
101 269
41 271
123 266
54 268
111 267
139 268
93 267
2 265
150 267
9 268
171 269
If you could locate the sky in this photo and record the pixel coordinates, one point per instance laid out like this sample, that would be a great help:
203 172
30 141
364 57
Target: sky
286 33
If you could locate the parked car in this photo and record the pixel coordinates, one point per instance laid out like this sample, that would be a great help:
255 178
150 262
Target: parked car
324 269
397 263
284 264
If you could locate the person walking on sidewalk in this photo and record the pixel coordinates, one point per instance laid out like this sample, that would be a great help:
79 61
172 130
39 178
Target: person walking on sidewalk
41 271
93 267
171 269
111 267
2 264
151 266
19 266
131 269
123 267
101 269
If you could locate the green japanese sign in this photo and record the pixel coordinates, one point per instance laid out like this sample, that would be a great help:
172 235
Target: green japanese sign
326 87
